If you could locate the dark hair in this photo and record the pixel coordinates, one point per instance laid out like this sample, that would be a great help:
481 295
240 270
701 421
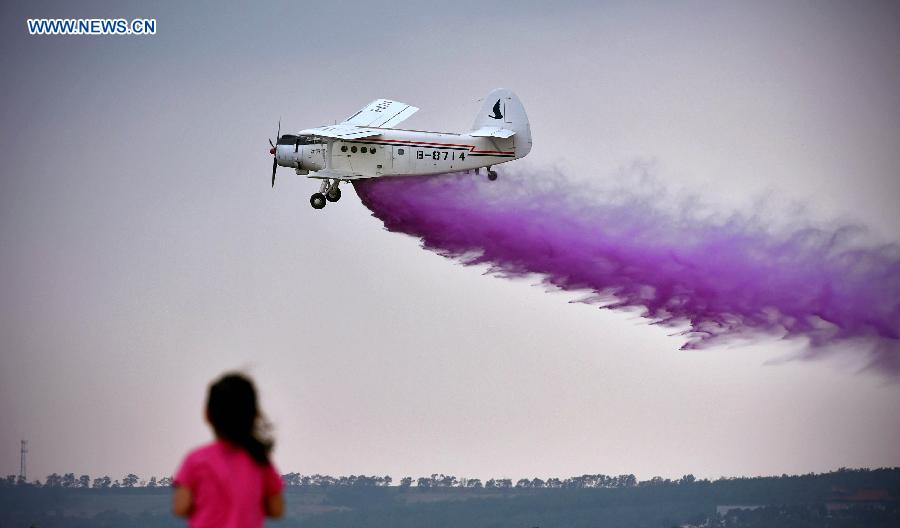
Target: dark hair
234 415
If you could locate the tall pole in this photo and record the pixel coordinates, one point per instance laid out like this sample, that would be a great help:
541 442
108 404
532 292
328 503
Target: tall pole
22 475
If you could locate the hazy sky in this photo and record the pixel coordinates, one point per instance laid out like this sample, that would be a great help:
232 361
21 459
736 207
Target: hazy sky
142 251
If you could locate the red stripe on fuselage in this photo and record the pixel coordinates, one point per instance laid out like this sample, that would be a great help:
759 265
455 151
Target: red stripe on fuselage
409 143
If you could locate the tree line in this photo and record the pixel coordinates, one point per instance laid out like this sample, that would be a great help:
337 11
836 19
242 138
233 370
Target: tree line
360 500
439 480
435 480
69 480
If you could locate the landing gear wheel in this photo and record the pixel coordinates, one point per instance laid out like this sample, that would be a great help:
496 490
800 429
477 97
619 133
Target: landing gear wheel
317 201
492 175
333 195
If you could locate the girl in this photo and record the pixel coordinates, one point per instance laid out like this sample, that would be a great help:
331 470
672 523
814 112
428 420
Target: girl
230 482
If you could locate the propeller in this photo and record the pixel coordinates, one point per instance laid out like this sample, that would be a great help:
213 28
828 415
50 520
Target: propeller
274 166
273 150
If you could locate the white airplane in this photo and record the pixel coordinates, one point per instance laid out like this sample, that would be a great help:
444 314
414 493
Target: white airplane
366 145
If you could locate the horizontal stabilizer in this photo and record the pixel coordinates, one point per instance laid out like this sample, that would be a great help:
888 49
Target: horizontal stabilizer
489 131
382 113
340 131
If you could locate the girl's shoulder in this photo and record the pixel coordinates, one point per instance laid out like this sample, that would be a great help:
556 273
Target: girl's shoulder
204 452
193 465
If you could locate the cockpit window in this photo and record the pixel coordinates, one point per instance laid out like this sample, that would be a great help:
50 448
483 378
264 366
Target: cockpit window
290 139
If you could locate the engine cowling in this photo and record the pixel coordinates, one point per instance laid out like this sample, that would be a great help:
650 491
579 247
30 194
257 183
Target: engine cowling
300 152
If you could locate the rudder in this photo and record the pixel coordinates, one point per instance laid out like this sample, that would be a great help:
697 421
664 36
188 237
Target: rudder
502 108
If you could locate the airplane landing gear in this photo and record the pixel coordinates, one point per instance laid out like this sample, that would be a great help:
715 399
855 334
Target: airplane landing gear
317 201
492 174
328 192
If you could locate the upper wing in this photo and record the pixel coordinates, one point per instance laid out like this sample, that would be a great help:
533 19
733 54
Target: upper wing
382 113
496 132
340 131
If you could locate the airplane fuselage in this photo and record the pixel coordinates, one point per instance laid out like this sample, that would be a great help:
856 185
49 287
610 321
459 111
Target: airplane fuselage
399 153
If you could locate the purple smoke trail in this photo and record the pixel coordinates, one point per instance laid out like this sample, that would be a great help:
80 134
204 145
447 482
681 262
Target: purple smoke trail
722 278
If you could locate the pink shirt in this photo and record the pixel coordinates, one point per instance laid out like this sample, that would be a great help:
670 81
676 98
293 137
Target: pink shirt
227 486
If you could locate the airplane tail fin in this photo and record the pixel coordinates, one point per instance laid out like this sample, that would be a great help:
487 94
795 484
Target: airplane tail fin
503 109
